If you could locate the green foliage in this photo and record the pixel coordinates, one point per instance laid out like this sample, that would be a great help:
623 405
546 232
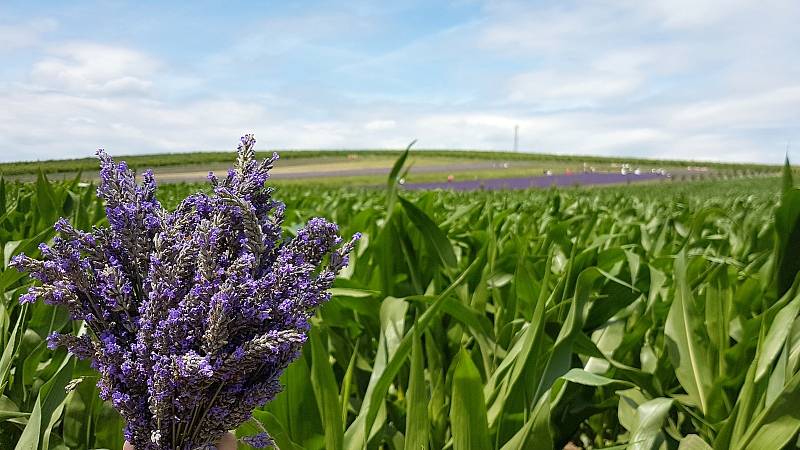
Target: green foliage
644 317
206 158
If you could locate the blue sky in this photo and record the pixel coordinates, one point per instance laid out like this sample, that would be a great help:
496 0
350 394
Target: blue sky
696 79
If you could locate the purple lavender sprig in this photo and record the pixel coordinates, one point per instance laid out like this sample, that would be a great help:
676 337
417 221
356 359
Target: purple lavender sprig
192 314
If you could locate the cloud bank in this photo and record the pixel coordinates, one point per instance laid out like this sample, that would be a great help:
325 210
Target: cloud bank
701 79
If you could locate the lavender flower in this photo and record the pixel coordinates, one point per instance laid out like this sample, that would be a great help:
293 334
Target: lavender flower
260 440
192 314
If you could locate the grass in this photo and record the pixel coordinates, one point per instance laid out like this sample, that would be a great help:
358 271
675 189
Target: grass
652 316
206 159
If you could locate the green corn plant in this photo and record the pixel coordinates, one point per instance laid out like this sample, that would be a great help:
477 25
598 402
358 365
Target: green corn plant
33 378
640 317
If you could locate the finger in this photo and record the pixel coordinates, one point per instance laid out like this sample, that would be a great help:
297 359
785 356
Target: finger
228 442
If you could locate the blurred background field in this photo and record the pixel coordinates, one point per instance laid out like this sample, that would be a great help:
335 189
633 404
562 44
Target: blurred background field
370 167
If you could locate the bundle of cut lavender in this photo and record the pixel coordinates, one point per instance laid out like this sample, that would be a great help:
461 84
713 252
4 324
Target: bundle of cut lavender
192 314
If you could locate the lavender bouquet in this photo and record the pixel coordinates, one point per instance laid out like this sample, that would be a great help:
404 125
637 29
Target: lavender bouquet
193 314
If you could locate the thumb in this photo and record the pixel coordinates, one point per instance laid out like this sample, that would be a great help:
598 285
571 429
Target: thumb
227 442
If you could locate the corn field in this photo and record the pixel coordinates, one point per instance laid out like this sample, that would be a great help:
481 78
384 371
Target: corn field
638 317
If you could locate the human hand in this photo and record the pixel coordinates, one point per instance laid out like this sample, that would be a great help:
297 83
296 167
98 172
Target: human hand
228 442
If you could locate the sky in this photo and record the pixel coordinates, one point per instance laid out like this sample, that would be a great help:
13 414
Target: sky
711 80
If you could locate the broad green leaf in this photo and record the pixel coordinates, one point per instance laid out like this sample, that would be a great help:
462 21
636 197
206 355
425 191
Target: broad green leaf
468 410
382 382
347 382
693 442
78 423
417 422
776 336
11 348
778 424
47 409
46 199
585 378
787 179
326 392
561 355
8 251
393 311
431 233
787 245
109 435
3 198
629 401
687 343
536 432
650 415
353 293
291 406
392 181
522 358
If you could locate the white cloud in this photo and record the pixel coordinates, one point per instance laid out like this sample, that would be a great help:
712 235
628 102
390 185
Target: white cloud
514 27
633 78
51 124
698 13
280 40
570 89
89 68
772 108
377 125
23 35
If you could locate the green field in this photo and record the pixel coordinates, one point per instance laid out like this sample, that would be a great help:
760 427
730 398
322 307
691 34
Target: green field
370 167
639 317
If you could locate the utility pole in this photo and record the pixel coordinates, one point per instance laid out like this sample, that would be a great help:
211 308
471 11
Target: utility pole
516 138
